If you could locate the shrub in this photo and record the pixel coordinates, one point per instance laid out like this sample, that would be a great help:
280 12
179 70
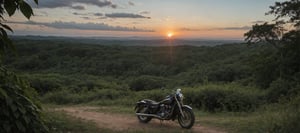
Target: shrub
212 99
43 85
282 118
240 101
19 111
147 83
66 96
224 97
278 88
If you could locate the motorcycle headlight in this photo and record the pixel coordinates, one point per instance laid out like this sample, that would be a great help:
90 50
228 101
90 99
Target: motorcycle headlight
180 96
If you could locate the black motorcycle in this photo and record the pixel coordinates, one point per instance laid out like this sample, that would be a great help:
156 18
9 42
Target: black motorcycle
168 109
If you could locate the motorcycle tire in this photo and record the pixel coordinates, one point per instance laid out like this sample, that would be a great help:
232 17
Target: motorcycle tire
188 120
143 119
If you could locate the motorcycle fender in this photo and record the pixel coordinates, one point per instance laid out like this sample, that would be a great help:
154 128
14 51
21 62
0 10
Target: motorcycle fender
187 106
139 103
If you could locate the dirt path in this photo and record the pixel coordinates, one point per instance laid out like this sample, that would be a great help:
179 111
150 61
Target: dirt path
122 122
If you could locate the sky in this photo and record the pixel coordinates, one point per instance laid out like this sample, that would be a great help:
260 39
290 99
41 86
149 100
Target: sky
188 19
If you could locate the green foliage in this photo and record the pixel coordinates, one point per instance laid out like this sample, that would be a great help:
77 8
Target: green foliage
59 122
282 117
278 70
288 9
85 73
66 96
278 88
10 7
231 98
147 83
19 112
127 65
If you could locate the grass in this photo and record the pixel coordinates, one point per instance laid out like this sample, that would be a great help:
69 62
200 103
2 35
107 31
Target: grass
232 122
58 122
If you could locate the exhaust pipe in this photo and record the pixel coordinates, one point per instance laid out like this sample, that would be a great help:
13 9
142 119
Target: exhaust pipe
150 115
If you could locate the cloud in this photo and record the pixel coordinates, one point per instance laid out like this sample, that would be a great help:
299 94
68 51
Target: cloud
76 13
78 7
70 3
220 28
190 29
98 14
144 12
87 18
83 26
41 13
131 3
90 14
258 22
234 28
125 15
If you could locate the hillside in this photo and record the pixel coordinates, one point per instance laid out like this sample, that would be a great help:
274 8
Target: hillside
218 78
187 65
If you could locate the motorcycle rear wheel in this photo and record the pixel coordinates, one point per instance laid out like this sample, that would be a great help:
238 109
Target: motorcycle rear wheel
143 119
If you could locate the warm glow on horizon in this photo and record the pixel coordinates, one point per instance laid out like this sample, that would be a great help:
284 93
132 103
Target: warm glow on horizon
143 18
170 34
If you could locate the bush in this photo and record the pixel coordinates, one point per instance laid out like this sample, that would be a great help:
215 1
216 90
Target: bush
282 118
19 111
224 97
278 88
212 99
147 83
66 96
43 85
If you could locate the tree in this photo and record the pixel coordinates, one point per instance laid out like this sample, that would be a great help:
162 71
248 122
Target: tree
19 111
284 34
9 7
275 33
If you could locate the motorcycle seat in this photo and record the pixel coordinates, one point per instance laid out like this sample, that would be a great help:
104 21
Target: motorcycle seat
152 102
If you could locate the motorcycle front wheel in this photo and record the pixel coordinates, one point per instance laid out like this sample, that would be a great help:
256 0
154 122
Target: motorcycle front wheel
187 119
143 119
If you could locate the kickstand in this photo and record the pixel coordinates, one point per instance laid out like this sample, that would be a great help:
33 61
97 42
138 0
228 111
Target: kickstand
161 122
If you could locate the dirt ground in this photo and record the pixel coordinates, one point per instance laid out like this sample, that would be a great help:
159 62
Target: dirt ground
122 122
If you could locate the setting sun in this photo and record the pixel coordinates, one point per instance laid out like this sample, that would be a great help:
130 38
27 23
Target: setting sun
170 34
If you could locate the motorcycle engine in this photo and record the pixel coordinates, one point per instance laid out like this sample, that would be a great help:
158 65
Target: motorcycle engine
165 110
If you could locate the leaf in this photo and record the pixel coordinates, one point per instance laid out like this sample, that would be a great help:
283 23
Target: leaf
6 27
36 2
22 110
16 114
10 7
4 34
20 126
26 119
5 112
13 108
26 9
9 101
3 93
7 128
7 42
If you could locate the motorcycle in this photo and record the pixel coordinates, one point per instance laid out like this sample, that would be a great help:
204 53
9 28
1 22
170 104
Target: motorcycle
170 108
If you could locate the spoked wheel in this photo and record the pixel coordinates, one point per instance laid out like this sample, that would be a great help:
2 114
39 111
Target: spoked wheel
143 119
186 121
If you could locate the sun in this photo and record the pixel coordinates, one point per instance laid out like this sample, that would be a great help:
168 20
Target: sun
170 34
